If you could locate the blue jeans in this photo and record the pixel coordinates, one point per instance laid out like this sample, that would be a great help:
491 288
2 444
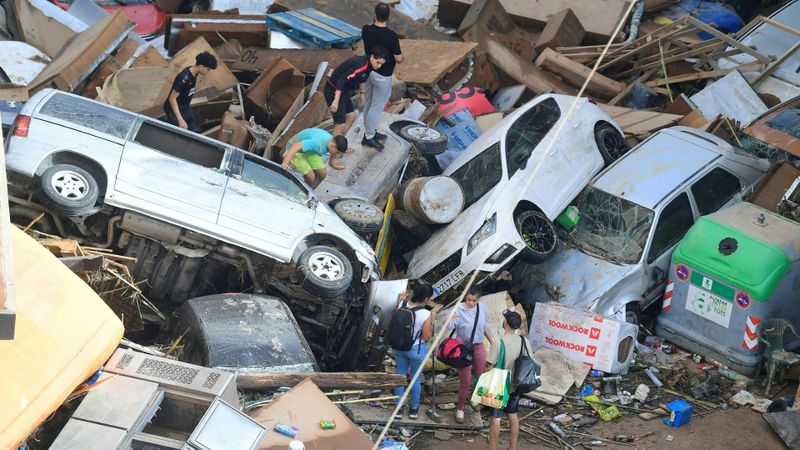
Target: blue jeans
411 359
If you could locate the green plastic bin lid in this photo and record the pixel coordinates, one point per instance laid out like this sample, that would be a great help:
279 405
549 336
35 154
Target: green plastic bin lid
735 247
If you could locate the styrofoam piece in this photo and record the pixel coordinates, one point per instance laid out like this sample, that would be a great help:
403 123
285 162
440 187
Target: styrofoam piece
730 96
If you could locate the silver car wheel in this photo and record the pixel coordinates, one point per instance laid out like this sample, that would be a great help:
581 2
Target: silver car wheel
326 266
360 209
423 133
70 184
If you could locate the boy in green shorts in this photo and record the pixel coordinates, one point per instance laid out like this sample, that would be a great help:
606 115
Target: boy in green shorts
305 150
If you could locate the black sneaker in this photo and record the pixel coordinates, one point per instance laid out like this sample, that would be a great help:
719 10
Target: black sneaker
380 136
372 142
399 414
413 413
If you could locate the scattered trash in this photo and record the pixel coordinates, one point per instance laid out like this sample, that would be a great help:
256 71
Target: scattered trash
286 430
624 437
669 438
653 377
553 426
642 391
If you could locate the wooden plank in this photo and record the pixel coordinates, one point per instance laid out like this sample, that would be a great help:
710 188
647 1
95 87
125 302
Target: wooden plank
637 122
305 59
576 74
150 58
10 92
489 14
563 29
81 264
525 72
771 68
425 62
658 63
730 41
755 65
324 380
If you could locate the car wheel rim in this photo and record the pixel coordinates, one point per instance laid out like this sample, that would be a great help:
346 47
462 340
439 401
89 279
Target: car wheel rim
537 234
358 209
423 133
69 184
615 144
326 266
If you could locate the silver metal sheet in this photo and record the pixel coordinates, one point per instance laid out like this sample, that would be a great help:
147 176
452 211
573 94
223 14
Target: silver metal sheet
117 402
223 427
88 436
730 96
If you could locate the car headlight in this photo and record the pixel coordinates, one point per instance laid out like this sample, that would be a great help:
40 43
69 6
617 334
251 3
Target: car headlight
487 229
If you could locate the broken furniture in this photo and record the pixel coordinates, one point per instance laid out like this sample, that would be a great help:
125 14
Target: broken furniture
216 28
270 97
314 28
772 333
144 401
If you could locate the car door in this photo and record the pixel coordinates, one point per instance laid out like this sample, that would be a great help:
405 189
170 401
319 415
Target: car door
673 222
172 174
263 203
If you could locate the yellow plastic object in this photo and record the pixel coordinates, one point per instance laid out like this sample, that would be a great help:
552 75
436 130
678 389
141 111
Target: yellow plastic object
64 333
384 246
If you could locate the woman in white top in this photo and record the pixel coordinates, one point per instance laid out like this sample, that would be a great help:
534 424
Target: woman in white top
410 360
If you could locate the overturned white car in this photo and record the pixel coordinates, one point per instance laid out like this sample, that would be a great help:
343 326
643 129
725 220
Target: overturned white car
506 215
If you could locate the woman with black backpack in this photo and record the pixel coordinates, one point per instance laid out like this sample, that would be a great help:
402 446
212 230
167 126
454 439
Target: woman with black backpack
409 330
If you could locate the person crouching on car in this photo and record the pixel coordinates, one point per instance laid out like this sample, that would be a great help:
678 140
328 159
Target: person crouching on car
305 150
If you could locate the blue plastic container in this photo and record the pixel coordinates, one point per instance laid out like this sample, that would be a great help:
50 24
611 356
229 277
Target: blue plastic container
681 413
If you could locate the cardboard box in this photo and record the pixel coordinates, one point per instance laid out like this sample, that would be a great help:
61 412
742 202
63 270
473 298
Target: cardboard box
605 344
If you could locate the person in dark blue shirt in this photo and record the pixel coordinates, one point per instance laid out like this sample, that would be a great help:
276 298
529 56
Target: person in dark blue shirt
346 78
176 106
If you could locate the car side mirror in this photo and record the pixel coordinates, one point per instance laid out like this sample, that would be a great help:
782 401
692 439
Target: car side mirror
312 203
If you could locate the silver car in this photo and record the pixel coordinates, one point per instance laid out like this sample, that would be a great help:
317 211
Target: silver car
633 215
86 153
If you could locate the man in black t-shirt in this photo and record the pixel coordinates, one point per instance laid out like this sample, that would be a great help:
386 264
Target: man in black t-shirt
345 78
176 106
379 84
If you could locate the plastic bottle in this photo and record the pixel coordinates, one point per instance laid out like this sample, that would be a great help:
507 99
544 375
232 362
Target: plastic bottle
527 403
296 445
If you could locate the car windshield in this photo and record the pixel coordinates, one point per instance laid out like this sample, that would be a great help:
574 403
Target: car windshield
480 174
611 227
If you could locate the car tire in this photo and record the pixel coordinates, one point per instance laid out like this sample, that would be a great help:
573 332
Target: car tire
427 140
359 215
410 227
610 142
68 190
326 271
633 313
539 235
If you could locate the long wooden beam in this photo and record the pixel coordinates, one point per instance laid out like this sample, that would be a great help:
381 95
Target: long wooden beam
324 380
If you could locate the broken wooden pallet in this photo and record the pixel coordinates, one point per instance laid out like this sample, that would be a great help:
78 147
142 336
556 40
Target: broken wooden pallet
314 28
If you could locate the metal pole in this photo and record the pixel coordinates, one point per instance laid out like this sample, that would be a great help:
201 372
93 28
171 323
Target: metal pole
8 317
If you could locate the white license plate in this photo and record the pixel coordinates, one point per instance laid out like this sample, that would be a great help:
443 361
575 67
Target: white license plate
449 281
709 306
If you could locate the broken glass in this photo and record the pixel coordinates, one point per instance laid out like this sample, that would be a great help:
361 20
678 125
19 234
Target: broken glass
611 227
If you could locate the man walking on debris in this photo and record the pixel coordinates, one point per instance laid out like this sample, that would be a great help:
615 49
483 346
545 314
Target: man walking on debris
513 346
379 83
345 78
304 152
176 106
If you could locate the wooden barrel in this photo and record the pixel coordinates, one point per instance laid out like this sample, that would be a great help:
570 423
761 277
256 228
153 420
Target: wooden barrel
433 200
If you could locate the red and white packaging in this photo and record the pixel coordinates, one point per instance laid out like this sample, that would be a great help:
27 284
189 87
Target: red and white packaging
605 344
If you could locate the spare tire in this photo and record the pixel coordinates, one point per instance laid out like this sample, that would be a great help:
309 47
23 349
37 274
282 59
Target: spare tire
68 190
410 228
359 215
427 140
326 271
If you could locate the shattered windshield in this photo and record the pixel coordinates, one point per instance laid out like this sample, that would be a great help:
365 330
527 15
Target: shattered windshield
611 227
480 174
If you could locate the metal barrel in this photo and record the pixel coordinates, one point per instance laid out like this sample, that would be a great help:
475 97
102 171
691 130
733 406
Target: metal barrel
433 200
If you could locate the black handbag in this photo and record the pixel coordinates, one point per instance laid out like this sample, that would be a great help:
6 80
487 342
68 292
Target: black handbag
527 374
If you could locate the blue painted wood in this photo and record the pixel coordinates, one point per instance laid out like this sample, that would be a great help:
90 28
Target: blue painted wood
314 28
